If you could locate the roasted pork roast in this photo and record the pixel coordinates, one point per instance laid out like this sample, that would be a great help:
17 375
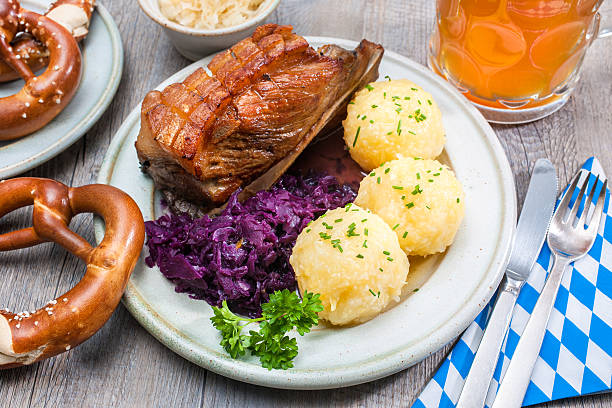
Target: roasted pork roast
268 97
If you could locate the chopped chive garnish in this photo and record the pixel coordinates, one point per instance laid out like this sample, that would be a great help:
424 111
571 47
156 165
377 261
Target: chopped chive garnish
371 121
417 190
324 235
389 259
351 103
387 170
374 106
369 87
397 187
399 125
378 180
384 95
336 244
428 207
388 133
386 252
364 220
407 98
327 226
365 232
430 180
372 292
410 204
436 174
429 101
411 132
338 220
395 227
414 89
372 174
388 77
308 230
458 199
419 101
356 136
359 256
365 243
418 176
381 269
403 197
351 230
418 116
416 290
405 234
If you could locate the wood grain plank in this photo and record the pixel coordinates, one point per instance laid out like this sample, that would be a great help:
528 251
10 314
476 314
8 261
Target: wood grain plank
124 366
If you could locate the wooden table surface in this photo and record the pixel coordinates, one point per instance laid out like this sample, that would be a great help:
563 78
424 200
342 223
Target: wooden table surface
122 365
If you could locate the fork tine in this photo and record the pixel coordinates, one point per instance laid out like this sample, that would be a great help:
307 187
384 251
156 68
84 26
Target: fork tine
583 189
564 204
587 203
596 218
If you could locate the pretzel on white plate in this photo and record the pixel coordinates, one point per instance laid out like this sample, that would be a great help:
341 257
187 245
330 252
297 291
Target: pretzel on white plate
73 15
42 97
73 317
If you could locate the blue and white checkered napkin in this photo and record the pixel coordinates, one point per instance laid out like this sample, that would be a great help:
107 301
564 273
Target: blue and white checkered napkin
576 355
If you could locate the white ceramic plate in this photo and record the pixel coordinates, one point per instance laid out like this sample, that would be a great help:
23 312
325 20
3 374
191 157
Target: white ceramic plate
102 67
453 287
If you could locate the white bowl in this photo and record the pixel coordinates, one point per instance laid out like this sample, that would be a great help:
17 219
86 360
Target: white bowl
195 43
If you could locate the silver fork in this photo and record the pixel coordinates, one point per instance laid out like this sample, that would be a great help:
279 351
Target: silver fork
569 239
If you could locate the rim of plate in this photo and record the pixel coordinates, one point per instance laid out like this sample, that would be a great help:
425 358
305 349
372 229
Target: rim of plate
345 375
86 122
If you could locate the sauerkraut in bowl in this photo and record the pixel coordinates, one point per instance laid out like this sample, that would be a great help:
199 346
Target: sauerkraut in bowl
185 22
211 14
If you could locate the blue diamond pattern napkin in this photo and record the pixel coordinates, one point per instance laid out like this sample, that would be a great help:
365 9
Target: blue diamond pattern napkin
576 355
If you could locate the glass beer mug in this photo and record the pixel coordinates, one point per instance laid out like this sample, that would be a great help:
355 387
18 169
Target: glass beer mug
516 60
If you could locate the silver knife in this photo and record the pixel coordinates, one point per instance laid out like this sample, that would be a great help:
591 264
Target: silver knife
530 234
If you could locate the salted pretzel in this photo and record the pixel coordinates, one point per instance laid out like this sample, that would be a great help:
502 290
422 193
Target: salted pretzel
42 97
73 317
73 15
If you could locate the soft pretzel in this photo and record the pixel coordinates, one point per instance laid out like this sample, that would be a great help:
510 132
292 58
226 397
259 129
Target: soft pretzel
73 15
67 321
42 97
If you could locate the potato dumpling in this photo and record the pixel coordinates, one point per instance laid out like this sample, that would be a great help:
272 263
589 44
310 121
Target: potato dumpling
421 200
391 119
353 260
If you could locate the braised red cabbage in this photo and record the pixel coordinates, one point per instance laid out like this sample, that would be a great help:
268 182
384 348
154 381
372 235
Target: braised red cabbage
242 255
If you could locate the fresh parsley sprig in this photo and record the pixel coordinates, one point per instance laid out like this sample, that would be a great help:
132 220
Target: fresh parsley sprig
281 314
